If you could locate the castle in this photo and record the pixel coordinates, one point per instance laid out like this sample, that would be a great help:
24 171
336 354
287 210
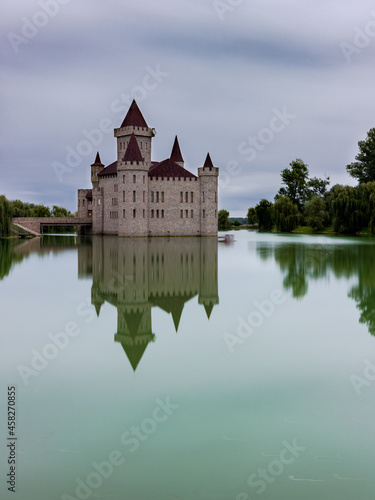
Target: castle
135 196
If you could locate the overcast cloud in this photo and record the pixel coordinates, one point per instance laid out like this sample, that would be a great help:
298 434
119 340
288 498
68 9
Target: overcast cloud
213 72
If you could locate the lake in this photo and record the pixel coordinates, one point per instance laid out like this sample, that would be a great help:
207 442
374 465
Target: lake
184 368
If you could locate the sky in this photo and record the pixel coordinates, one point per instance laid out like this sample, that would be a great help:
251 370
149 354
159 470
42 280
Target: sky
256 83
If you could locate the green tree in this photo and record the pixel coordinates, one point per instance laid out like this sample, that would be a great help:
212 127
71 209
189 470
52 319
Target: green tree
60 212
5 216
318 186
345 208
223 220
287 216
252 216
316 214
42 211
264 213
364 168
295 181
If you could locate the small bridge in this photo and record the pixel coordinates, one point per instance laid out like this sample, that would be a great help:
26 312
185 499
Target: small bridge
35 225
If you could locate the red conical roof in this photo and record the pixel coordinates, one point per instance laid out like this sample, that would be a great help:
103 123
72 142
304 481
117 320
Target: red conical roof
208 163
176 155
134 117
133 152
97 161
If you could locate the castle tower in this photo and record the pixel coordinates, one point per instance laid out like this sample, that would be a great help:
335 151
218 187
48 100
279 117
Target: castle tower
208 177
134 123
176 155
132 173
96 167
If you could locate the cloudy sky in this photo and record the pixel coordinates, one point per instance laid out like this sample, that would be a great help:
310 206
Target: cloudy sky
257 83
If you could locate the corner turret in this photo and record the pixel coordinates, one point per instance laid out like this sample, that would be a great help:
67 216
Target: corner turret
208 176
96 167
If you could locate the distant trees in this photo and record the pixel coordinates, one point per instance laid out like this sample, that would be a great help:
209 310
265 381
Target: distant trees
364 168
223 220
302 200
5 216
296 198
18 208
22 209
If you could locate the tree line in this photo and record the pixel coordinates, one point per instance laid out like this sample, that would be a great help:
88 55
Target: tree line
17 208
302 200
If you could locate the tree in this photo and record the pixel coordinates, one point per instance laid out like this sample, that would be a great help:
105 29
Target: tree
264 214
60 212
252 216
364 168
315 212
287 216
42 211
223 220
318 186
344 204
295 180
5 216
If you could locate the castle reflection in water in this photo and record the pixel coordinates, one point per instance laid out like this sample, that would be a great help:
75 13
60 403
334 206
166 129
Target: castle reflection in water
135 275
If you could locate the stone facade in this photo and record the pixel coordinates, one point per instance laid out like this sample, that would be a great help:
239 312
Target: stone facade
135 196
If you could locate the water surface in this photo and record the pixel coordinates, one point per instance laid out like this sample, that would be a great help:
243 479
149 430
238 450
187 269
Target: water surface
186 369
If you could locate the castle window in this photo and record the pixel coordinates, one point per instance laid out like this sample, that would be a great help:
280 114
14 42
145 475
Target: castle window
123 196
99 202
187 197
144 196
114 201
187 213
144 213
134 212
152 196
192 213
123 179
181 197
144 179
215 197
134 196
162 196
162 214
204 213
157 214
123 213
181 214
83 202
134 179
115 188
157 196
203 197
192 197
152 214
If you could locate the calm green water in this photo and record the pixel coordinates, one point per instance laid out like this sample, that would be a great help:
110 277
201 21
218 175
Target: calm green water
187 369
